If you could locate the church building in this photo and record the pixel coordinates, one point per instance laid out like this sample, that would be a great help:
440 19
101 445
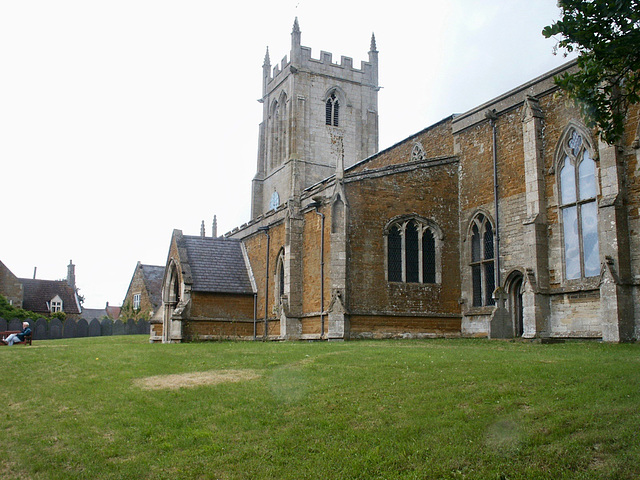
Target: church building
510 220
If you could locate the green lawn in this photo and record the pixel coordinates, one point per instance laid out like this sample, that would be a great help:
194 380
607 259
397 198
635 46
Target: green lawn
457 409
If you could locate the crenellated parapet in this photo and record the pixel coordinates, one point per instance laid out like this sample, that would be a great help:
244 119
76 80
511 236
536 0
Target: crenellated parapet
301 60
367 73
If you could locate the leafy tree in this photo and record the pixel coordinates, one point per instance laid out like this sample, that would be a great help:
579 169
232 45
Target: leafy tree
606 35
9 312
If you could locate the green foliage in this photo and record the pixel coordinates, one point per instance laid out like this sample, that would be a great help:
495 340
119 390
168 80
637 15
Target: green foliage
9 312
606 35
59 315
127 312
436 409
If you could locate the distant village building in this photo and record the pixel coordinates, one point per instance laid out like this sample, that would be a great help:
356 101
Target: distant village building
45 297
510 220
143 299
10 287
110 312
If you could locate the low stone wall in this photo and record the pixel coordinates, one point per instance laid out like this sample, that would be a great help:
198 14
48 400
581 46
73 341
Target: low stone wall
49 329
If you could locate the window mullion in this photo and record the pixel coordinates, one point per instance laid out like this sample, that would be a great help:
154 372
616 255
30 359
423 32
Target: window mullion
580 243
579 214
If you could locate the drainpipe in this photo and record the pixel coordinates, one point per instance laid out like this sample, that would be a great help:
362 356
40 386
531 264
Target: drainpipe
492 116
255 314
317 203
266 283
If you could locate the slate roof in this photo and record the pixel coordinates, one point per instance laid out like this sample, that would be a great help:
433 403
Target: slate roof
38 292
217 265
90 313
153 277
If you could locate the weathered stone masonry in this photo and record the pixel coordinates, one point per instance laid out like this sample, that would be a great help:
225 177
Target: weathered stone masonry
462 229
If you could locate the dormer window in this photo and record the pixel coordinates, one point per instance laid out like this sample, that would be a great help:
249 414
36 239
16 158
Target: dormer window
55 305
332 110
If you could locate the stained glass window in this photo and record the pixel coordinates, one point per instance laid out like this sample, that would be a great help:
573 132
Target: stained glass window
428 257
577 184
412 252
482 262
394 251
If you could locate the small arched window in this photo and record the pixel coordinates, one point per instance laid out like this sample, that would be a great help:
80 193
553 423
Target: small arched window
413 251
482 261
279 280
579 210
278 137
332 107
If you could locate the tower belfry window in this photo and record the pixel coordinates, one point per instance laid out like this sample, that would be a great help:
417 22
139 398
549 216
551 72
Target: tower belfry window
332 110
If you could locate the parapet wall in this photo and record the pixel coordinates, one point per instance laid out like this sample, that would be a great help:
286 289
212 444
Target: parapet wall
325 66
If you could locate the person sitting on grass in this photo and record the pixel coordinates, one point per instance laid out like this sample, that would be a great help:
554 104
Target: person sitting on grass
18 337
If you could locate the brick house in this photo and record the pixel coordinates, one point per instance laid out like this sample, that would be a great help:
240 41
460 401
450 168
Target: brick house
10 286
108 311
46 297
510 220
143 299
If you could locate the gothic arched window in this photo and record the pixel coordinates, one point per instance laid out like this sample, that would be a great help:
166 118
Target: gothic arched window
279 280
278 137
413 251
579 210
274 138
418 153
482 261
332 110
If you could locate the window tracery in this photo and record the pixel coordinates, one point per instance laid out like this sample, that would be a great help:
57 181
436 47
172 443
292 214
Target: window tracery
332 110
418 153
413 251
578 207
482 261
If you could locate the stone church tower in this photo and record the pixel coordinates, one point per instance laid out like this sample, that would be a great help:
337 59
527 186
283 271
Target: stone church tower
315 112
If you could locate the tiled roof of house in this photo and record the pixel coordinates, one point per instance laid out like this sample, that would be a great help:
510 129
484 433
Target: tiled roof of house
217 265
38 292
90 313
153 277
113 312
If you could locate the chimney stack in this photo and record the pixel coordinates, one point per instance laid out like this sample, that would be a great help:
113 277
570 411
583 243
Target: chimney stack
202 230
214 229
71 274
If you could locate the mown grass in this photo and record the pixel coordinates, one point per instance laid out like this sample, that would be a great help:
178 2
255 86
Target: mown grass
452 409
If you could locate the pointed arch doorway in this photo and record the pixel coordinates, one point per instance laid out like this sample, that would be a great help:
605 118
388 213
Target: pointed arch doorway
515 283
171 297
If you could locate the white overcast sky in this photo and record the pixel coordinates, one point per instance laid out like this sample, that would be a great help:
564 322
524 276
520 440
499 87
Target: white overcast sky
121 120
